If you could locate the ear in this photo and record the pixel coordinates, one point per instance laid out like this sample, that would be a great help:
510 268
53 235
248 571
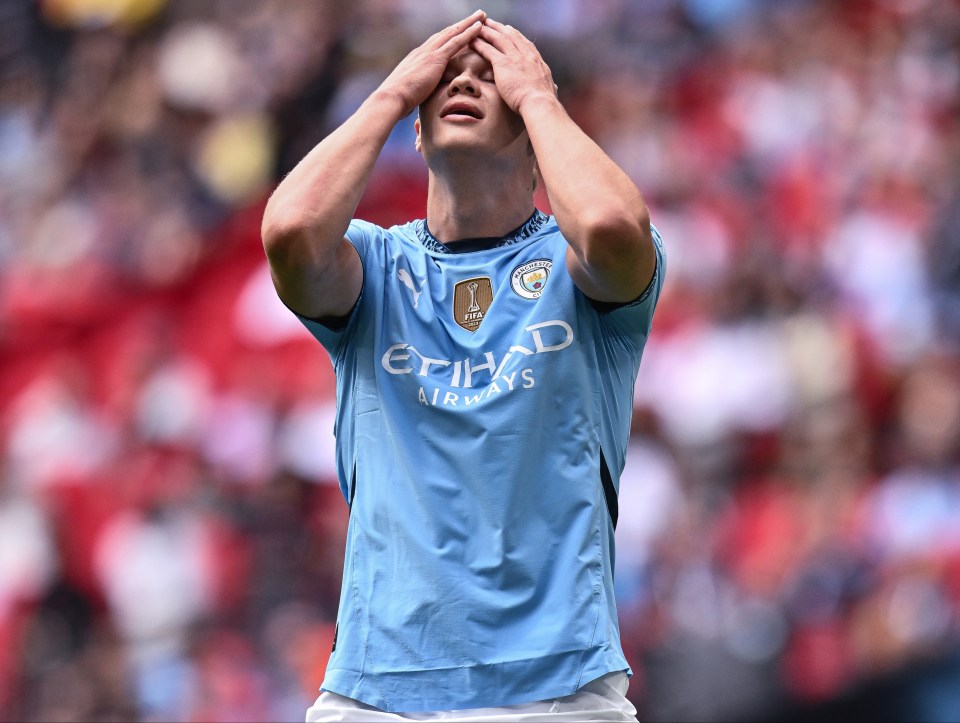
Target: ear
416 127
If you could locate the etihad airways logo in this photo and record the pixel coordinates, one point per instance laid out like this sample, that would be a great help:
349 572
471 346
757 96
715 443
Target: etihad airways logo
489 373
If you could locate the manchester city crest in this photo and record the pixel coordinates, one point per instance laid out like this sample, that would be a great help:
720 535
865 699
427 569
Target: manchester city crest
530 279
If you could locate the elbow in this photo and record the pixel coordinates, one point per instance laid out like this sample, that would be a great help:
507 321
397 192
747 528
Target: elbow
617 221
616 234
277 227
297 241
284 236
276 236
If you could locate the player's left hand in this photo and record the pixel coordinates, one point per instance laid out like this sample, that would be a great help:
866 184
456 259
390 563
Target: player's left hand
518 68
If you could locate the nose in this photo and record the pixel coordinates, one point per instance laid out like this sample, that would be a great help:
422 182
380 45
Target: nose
464 83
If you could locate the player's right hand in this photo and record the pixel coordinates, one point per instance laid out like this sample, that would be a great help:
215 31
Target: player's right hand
418 74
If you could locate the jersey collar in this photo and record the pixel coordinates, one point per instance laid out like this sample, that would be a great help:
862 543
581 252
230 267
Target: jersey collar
521 233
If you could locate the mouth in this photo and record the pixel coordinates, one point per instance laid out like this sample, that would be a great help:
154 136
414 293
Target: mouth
461 110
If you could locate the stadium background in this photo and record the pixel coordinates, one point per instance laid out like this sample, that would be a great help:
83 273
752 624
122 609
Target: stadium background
170 527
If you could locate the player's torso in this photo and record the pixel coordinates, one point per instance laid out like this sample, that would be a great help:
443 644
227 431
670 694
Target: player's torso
478 519
462 331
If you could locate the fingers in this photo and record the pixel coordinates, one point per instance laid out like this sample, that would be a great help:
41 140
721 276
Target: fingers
461 39
444 36
486 50
507 38
477 15
497 38
508 32
459 35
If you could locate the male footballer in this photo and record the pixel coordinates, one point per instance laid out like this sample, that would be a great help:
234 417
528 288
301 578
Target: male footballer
485 359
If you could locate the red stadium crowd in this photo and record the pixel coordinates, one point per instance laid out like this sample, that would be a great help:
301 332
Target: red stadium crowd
171 530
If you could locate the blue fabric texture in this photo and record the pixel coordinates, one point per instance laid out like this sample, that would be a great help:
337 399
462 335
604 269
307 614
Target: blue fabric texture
476 392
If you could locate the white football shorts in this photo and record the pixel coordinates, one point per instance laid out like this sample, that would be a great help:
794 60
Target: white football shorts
603 699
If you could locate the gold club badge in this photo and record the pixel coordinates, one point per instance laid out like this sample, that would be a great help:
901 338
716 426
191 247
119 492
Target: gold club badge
471 299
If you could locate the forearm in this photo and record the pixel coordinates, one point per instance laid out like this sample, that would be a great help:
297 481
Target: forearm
598 208
593 199
316 271
314 204
311 209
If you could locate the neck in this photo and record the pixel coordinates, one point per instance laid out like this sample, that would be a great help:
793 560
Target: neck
468 203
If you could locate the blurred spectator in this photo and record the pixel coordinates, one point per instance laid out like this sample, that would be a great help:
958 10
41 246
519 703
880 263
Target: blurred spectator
171 526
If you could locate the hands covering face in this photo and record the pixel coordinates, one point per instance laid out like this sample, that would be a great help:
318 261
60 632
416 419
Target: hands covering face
519 70
418 74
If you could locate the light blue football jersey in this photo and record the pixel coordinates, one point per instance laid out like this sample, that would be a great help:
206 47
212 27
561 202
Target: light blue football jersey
483 413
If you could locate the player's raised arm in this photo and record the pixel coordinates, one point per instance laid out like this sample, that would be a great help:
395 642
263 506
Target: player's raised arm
316 271
598 208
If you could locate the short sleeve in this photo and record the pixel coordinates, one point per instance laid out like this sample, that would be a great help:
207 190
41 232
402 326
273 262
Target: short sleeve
334 331
632 321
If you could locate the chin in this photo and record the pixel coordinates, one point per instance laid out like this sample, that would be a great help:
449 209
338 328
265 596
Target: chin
462 144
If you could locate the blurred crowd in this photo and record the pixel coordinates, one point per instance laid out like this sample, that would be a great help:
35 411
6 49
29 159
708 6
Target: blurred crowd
171 530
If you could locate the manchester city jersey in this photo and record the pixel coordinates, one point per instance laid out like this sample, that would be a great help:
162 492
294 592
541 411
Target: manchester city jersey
483 414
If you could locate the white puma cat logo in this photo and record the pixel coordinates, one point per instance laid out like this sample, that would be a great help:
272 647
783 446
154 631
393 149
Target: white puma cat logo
407 281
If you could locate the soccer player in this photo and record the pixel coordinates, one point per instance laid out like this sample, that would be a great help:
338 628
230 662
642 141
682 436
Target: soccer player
485 360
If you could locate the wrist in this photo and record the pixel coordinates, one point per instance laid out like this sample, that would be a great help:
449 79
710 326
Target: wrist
388 104
539 102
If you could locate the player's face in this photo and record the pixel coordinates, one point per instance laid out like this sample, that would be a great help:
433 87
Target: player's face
466 112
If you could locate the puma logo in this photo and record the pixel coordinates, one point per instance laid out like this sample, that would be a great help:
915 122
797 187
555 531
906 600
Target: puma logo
407 281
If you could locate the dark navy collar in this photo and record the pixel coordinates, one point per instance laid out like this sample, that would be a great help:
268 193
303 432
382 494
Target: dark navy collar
521 233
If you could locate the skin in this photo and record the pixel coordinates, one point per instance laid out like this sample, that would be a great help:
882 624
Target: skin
481 172
464 154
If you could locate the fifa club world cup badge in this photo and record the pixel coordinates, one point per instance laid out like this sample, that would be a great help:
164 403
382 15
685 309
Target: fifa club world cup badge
529 280
471 299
